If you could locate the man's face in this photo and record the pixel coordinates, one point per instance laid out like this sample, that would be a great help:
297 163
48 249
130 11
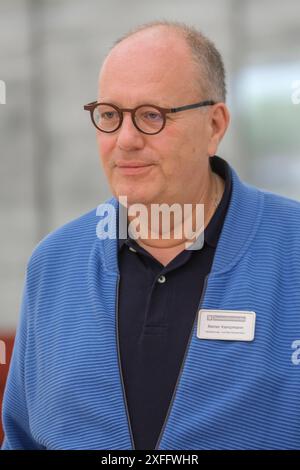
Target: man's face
154 69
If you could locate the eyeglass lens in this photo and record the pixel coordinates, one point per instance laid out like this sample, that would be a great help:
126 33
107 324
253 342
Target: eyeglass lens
147 118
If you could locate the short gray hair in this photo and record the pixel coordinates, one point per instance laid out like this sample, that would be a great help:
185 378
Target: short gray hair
205 55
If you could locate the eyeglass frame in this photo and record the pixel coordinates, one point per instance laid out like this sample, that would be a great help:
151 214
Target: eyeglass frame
164 111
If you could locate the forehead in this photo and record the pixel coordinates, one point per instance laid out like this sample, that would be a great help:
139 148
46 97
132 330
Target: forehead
148 66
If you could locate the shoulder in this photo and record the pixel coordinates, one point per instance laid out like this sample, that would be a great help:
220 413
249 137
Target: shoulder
281 210
279 223
69 243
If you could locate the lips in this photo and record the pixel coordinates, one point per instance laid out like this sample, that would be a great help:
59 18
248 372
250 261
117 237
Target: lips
132 168
132 164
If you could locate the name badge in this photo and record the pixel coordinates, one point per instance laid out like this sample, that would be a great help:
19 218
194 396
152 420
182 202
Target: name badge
230 325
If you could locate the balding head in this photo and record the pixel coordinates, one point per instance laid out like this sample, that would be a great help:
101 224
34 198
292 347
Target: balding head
209 71
157 54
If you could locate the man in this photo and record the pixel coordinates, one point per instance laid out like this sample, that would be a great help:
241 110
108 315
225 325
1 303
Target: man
144 342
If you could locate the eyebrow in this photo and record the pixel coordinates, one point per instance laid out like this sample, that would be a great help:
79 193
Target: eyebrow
145 101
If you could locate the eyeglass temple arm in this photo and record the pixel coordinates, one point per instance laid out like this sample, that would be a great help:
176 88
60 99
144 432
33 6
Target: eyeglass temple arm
191 106
89 106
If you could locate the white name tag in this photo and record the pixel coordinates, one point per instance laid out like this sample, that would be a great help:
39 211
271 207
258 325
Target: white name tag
231 325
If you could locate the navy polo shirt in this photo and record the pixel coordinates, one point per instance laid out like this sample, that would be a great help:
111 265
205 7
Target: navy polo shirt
156 310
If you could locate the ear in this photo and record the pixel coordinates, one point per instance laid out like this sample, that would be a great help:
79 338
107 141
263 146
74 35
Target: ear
219 118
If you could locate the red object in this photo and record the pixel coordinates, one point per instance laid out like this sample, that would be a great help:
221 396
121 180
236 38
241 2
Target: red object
8 340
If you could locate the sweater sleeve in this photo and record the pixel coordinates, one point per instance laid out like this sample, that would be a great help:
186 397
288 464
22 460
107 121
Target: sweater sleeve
15 414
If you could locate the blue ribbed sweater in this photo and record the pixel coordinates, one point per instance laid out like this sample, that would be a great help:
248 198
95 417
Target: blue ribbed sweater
65 389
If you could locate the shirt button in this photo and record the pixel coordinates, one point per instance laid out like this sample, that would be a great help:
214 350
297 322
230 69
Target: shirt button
161 279
132 249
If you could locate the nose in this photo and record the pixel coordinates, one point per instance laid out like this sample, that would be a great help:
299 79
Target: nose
128 136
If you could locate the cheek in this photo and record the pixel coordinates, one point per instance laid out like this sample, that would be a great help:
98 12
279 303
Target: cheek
105 146
184 157
175 158
104 142
171 150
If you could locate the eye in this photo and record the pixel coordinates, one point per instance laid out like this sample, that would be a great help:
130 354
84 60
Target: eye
153 116
107 115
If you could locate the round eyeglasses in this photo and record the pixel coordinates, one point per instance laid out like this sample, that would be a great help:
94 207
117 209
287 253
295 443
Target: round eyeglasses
147 118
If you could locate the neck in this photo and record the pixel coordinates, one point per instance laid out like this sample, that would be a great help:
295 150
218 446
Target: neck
176 239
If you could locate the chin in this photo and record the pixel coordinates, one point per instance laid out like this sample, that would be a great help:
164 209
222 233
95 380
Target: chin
134 197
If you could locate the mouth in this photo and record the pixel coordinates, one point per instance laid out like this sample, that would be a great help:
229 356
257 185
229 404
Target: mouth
134 168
